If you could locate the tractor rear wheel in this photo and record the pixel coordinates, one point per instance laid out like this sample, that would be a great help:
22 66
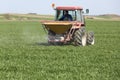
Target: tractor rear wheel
90 38
80 37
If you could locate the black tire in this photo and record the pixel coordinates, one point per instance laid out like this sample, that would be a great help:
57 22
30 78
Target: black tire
80 37
90 38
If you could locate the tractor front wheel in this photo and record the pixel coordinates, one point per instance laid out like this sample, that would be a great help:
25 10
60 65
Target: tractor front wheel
90 38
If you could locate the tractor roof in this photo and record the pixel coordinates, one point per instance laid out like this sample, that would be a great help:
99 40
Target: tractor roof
69 8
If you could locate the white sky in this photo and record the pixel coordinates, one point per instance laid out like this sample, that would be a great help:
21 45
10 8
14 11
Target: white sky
44 6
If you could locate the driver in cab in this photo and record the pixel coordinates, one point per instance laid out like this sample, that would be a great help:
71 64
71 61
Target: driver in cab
66 17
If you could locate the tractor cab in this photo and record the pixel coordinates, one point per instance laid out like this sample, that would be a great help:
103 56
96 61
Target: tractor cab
74 13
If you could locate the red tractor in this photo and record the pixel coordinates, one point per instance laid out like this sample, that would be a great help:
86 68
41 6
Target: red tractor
68 27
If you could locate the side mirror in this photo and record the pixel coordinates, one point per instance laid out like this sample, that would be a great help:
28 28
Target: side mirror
87 11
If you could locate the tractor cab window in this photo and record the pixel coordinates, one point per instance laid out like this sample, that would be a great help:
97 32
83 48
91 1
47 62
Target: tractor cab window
73 15
79 16
64 15
59 14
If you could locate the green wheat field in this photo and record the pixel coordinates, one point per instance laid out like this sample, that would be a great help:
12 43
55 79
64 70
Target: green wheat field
25 54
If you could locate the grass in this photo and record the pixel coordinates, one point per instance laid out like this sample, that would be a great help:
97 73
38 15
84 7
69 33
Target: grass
24 54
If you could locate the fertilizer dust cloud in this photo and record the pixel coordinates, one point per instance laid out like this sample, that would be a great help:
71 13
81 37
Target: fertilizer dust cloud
29 37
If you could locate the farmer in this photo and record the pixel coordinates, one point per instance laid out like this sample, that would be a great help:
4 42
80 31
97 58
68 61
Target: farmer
66 17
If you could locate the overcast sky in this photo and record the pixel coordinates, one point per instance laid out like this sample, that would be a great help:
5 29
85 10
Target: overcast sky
44 6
